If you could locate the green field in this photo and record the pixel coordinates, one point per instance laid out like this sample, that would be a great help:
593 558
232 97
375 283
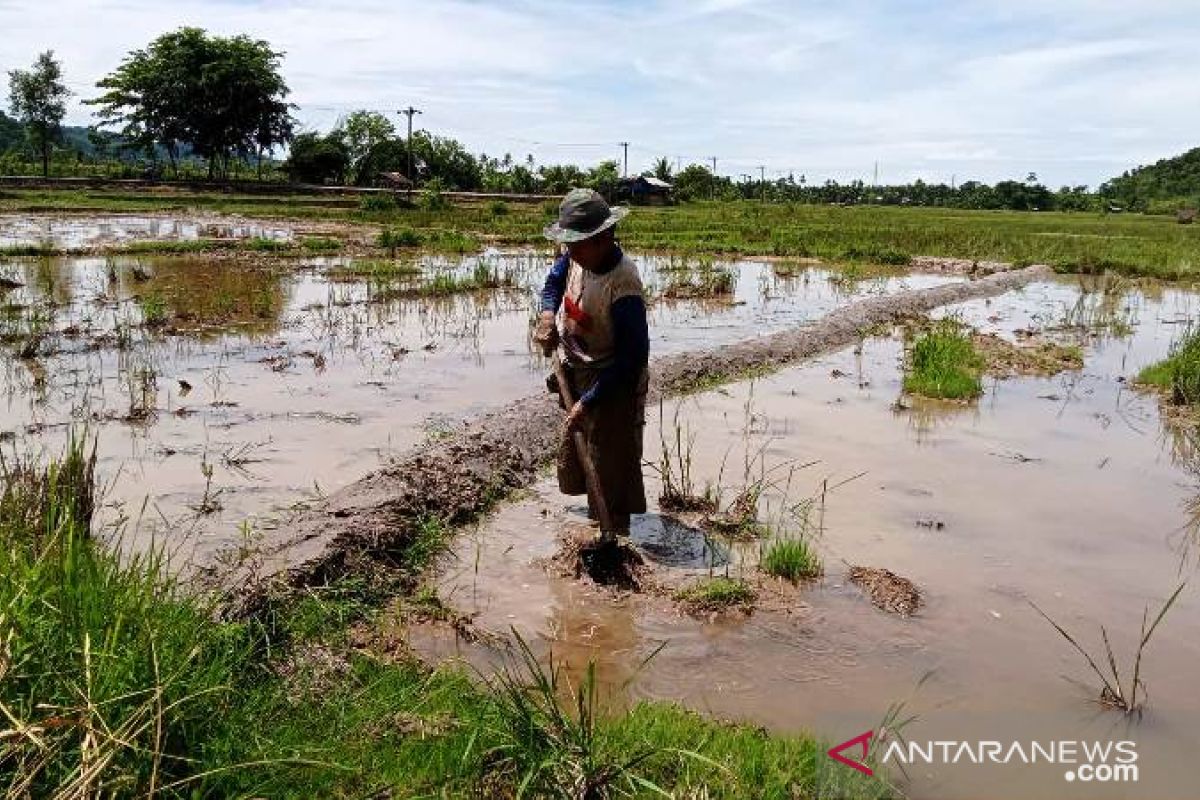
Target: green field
1071 242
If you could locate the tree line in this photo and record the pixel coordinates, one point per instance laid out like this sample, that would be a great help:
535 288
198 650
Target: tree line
218 99
221 103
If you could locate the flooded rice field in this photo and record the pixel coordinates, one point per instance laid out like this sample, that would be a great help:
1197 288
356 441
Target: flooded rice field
1063 491
70 232
223 392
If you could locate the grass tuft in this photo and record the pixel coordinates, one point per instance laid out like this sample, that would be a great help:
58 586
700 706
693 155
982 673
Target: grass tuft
715 594
793 559
1179 373
945 364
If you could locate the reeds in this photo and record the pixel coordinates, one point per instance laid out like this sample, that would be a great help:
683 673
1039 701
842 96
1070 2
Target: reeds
1115 692
106 675
679 492
547 751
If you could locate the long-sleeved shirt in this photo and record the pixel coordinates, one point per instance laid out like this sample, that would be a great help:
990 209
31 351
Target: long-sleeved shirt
631 336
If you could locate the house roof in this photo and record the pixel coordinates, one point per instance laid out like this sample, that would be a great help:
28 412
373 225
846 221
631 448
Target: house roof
647 180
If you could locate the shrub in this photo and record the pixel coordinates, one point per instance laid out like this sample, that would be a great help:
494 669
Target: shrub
945 364
431 198
378 202
392 238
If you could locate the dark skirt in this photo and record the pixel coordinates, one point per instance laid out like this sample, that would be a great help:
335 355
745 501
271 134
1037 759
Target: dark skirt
612 430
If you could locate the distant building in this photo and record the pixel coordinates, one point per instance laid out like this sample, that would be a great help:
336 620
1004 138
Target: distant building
642 190
393 180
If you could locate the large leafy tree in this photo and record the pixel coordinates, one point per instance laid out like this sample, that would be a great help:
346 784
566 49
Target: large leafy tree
38 98
361 132
694 182
315 158
222 96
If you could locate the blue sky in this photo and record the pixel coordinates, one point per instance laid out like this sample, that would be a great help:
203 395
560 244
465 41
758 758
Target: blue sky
1074 90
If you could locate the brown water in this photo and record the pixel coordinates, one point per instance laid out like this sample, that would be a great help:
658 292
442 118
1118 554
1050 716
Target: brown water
1062 491
288 379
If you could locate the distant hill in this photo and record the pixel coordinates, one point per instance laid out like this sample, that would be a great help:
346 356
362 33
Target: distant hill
12 136
1168 179
11 133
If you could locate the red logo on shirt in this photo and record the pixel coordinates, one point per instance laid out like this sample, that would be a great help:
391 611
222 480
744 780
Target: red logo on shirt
576 314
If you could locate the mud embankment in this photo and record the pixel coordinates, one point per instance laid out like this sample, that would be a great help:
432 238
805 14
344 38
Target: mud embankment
454 478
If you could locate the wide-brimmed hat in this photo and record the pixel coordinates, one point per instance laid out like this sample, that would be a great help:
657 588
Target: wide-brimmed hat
582 214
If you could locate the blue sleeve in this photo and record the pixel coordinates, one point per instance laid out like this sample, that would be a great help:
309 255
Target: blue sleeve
556 284
631 345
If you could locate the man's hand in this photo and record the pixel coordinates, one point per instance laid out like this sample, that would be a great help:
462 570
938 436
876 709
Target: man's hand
575 416
545 333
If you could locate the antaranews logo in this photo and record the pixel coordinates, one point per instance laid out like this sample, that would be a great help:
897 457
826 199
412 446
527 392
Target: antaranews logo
1087 761
863 740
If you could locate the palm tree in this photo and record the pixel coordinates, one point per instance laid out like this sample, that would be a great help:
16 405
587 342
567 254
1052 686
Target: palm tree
662 169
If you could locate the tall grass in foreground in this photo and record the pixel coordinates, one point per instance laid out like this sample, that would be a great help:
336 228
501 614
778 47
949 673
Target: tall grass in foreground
1178 373
116 683
108 679
944 364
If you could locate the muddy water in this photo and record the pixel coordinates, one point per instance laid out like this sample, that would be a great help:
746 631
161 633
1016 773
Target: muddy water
1062 491
290 381
75 232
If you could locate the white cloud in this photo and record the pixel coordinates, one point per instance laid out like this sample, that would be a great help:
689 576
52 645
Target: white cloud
1073 90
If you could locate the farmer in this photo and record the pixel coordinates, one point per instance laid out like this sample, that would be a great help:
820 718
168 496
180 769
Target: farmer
593 306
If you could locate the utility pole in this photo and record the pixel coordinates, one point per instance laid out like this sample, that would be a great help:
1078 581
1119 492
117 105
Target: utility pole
712 184
625 170
762 179
408 112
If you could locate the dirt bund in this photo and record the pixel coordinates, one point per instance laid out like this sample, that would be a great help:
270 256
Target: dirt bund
455 478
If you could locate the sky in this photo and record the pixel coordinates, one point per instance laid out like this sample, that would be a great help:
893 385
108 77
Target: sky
1074 90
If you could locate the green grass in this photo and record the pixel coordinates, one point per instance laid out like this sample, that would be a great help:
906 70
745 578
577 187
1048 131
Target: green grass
177 246
944 364
1130 244
793 559
17 250
154 309
715 594
114 681
392 238
320 244
108 675
1179 373
706 282
444 284
376 271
